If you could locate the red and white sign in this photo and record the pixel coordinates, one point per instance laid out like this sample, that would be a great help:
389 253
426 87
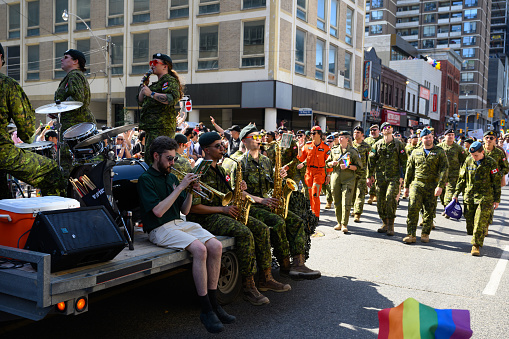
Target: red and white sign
424 93
393 118
435 102
189 106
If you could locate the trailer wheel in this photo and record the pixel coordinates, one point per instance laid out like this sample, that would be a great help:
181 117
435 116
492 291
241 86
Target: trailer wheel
229 284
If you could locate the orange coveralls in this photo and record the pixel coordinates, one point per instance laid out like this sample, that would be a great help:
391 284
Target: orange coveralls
315 157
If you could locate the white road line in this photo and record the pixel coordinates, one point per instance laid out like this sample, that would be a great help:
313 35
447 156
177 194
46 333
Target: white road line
496 275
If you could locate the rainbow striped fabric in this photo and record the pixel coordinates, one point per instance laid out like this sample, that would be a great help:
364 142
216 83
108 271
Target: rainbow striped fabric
413 320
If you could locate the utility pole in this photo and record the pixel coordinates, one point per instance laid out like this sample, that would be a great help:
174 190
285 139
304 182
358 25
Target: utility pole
109 114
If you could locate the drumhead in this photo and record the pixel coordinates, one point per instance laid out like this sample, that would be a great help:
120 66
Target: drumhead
79 130
36 145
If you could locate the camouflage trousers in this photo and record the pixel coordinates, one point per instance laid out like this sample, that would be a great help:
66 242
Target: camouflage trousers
287 236
359 195
32 168
477 217
386 192
448 192
328 192
343 194
422 195
150 135
373 190
252 243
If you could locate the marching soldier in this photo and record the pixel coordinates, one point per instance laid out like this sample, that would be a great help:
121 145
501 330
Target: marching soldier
412 144
361 173
480 181
327 187
344 160
426 176
374 136
270 148
386 167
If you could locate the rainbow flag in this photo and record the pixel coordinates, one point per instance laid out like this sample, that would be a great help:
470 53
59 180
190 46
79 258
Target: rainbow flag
412 319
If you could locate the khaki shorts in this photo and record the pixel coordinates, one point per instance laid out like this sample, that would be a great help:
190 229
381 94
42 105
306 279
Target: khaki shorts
178 234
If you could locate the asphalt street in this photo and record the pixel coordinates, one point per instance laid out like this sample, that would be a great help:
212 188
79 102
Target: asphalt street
362 272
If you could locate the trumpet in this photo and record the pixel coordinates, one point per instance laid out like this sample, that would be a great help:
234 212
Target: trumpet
207 192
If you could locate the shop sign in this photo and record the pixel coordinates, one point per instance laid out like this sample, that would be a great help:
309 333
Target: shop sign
393 118
424 93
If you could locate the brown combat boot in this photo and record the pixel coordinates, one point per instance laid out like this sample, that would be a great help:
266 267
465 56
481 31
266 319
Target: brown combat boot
425 238
370 200
337 227
357 217
328 205
300 271
409 239
284 266
344 229
384 227
475 250
375 199
390 227
251 294
268 283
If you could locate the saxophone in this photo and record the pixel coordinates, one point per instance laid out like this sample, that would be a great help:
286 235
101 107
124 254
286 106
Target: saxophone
242 204
281 192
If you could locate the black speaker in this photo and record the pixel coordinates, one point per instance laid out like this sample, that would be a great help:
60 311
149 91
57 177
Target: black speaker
76 237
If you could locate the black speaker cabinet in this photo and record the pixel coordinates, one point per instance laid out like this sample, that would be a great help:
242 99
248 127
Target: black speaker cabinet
76 237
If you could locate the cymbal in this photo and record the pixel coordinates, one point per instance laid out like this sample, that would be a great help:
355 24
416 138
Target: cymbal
107 134
64 106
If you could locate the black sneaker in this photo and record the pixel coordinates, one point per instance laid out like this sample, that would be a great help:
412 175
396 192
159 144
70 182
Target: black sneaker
211 322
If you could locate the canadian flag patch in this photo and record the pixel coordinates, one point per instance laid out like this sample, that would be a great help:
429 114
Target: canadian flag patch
228 178
494 171
402 151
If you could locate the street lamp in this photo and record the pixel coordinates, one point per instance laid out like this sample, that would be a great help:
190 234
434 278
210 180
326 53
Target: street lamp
109 117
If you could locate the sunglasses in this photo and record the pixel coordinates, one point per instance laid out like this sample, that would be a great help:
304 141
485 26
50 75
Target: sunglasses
154 62
255 137
299 135
313 133
489 138
218 146
170 158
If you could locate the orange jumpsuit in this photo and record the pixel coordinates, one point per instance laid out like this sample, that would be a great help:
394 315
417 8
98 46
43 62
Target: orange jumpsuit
315 157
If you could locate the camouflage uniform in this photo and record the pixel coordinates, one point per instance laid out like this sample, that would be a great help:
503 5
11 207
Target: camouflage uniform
182 164
409 149
343 181
387 163
156 118
271 151
424 173
503 166
371 141
27 166
455 156
360 187
289 158
252 244
481 186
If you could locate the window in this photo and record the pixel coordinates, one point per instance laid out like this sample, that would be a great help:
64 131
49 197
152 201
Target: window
468 64
469 27
349 29
302 9
457 3
254 3
469 40
467 76
428 43
83 9
348 61
13 62
444 4
208 55
333 56
33 62
368 6
60 48
413 102
376 29
84 47
33 18
377 3
457 15
470 3
140 53
455 28
115 12
408 102
141 11
468 52
178 49
14 22
208 6
429 18
334 7
471 14
320 22
430 6
320 50
414 31
117 55
443 16
442 42
253 53
443 29
455 41
429 31
300 48
377 15
179 9
60 23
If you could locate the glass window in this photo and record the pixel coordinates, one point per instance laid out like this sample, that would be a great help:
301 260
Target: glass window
60 48
334 18
320 23
333 55
33 62
471 14
468 64
429 31
455 41
457 3
320 50
302 9
179 9
471 3
115 12
430 6
428 43
469 40
376 29
443 16
300 48
443 29
455 28
84 47
60 23
428 18
377 3
208 6
141 11
468 52
140 53
469 27
117 55
13 62
442 42
253 3
83 10
457 15
14 22
414 31
349 26
348 62
33 18
444 4
179 48
377 15
467 76
208 55
253 53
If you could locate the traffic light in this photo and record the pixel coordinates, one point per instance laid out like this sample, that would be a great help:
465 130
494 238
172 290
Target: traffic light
490 113
502 122
461 130
477 115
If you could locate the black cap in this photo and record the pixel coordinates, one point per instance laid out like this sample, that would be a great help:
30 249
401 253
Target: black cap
76 55
235 128
282 130
272 133
469 140
359 128
450 130
343 133
180 138
330 137
163 57
247 130
301 131
3 54
492 133
207 138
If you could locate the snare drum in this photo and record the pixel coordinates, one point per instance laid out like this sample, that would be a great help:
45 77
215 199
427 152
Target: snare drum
44 148
79 133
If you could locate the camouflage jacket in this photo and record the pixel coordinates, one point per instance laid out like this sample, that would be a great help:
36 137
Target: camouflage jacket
229 165
182 164
289 157
387 161
431 168
409 149
363 149
337 154
371 141
500 157
156 115
456 155
216 181
480 183
258 175
14 104
271 151
74 87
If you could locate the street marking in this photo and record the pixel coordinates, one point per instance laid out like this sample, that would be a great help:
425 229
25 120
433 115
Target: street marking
356 328
496 275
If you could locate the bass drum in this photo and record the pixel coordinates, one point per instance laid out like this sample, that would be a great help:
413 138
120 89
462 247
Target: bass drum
125 176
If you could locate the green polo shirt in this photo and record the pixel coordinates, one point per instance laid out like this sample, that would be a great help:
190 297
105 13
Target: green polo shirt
154 187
